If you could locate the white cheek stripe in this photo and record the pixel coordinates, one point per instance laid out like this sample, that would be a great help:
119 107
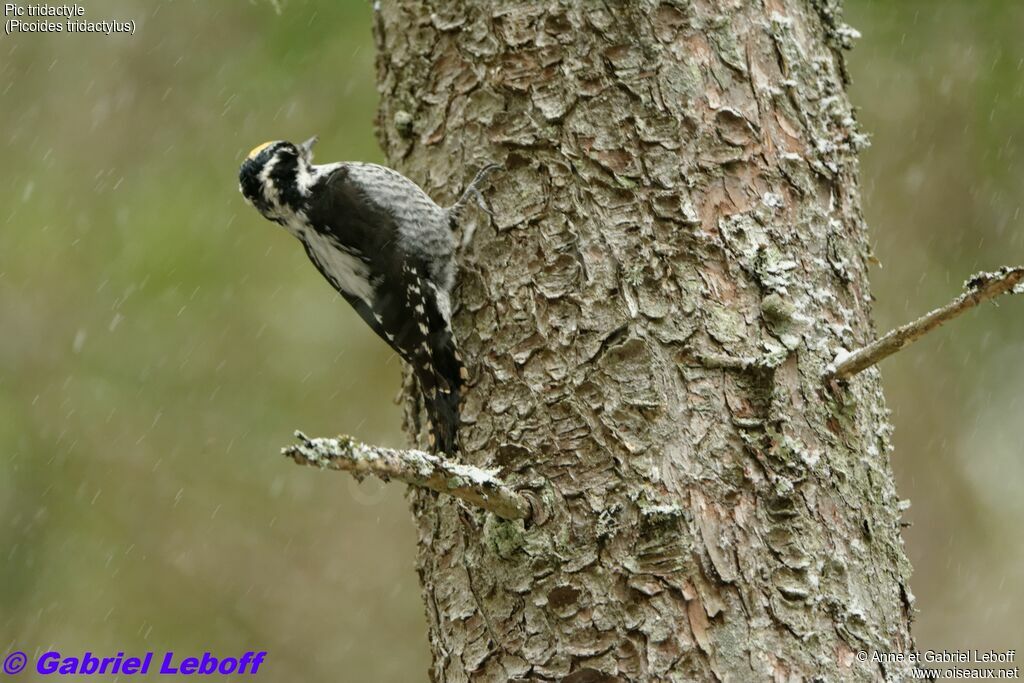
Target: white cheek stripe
304 179
269 189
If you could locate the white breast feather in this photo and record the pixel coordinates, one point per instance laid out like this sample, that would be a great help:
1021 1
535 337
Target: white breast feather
347 271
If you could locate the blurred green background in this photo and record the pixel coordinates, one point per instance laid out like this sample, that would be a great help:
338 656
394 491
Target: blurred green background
160 341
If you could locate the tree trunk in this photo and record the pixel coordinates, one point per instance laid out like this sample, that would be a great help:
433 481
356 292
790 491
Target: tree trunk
676 253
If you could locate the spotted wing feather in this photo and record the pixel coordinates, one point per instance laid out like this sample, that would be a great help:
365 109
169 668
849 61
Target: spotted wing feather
407 306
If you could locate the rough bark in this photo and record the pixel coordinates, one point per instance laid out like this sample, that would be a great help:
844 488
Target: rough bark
676 252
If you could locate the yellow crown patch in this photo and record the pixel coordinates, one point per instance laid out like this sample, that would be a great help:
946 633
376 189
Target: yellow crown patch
259 148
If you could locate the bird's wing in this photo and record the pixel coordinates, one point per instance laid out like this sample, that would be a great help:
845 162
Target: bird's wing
376 208
342 207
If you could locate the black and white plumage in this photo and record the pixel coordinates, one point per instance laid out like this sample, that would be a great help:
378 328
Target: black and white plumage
385 246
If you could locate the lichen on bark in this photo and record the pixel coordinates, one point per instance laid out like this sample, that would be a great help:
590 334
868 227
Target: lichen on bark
680 185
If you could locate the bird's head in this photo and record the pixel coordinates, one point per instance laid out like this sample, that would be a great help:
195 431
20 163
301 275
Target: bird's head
269 176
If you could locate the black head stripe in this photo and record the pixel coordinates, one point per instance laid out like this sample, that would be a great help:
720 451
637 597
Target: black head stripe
285 175
285 156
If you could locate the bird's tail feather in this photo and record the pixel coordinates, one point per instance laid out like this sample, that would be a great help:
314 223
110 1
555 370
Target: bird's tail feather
441 386
443 414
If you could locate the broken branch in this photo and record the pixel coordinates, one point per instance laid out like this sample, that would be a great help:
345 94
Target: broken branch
978 289
474 485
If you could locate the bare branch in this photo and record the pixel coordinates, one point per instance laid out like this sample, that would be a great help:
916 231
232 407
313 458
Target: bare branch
474 485
980 288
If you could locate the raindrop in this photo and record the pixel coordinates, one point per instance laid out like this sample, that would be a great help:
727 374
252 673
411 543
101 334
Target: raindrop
79 341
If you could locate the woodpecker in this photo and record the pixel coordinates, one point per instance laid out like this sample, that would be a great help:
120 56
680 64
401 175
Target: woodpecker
385 246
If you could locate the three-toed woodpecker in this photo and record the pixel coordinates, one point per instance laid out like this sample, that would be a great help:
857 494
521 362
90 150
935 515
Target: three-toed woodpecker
385 246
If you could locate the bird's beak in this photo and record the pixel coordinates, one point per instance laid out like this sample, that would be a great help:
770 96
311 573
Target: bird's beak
306 148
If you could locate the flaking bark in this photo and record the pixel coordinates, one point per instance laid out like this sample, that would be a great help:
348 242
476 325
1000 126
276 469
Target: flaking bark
680 185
